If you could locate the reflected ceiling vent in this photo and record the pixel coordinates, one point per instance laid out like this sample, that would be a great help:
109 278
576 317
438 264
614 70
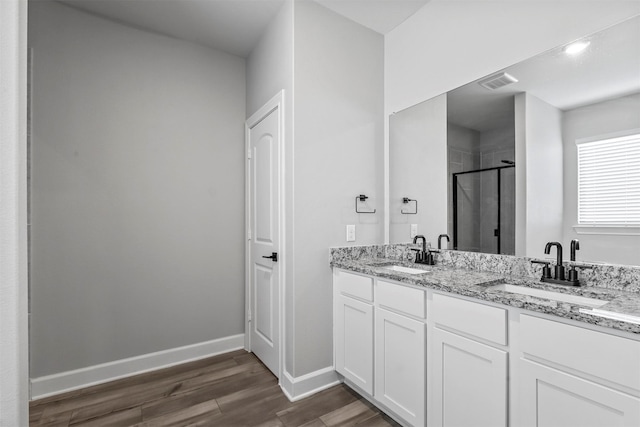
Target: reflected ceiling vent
497 81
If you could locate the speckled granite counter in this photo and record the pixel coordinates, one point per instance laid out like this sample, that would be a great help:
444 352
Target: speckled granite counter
622 312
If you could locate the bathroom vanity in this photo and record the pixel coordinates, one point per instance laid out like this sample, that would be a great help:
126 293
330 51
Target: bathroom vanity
443 345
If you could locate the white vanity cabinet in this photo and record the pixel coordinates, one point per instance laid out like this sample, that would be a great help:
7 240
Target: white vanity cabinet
468 363
380 342
572 376
400 350
353 328
436 359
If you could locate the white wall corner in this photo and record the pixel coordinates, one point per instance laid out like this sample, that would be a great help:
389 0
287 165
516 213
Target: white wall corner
79 378
306 385
14 410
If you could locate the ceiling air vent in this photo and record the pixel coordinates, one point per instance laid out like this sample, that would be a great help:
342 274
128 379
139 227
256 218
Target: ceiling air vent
497 81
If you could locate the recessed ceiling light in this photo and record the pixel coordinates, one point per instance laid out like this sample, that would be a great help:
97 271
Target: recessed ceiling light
576 48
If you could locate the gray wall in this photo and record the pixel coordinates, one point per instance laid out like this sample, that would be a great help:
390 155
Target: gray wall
538 130
270 70
338 155
603 118
270 65
137 191
334 154
462 155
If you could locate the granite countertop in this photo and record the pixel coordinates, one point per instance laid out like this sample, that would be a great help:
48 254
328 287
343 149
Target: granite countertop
622 312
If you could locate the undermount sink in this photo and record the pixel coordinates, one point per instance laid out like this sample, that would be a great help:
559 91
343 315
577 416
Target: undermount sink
406 270
556 296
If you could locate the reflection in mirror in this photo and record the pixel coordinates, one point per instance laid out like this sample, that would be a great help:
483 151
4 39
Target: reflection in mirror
417 152
481 162
483 201
512 151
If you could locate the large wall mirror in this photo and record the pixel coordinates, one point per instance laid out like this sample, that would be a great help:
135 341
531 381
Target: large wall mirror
494 163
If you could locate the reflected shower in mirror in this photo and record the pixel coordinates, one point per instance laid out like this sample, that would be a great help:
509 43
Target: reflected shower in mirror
483 214
481 195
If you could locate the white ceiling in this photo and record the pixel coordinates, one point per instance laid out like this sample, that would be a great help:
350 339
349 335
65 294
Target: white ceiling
608 68
381 16
235 26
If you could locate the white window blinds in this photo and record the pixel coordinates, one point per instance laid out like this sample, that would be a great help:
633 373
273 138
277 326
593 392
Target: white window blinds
609 181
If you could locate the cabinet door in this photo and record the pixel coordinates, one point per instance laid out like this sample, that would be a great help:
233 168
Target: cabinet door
552 398
353 341
400 365
468 382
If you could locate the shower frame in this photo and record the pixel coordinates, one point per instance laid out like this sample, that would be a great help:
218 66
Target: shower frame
455 200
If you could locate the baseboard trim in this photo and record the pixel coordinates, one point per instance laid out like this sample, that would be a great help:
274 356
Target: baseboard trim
72 380
304 386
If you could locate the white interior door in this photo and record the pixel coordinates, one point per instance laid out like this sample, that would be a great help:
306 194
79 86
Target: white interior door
263 234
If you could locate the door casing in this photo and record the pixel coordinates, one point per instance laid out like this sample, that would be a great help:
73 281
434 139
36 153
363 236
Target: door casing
275 103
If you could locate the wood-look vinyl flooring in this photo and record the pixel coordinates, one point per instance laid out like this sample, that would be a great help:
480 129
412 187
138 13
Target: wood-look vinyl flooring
229 390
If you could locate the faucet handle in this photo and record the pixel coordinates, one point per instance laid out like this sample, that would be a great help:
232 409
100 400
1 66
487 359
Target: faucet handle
539 261
546 270
430 259
580 265
418 255
573 275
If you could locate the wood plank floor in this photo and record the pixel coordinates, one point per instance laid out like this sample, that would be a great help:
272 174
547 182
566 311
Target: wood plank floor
229 390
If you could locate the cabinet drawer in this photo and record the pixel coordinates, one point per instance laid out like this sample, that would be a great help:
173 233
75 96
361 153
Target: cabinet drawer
353 285
402 299
482 321
605 356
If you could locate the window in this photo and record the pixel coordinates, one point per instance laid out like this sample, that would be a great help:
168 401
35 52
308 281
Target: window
609 181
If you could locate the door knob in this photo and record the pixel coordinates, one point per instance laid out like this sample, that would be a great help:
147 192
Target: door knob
273 257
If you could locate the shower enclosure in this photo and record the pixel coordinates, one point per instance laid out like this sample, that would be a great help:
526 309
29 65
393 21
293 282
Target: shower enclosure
484 210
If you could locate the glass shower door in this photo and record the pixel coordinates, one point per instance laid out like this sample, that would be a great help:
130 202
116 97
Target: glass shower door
484 210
